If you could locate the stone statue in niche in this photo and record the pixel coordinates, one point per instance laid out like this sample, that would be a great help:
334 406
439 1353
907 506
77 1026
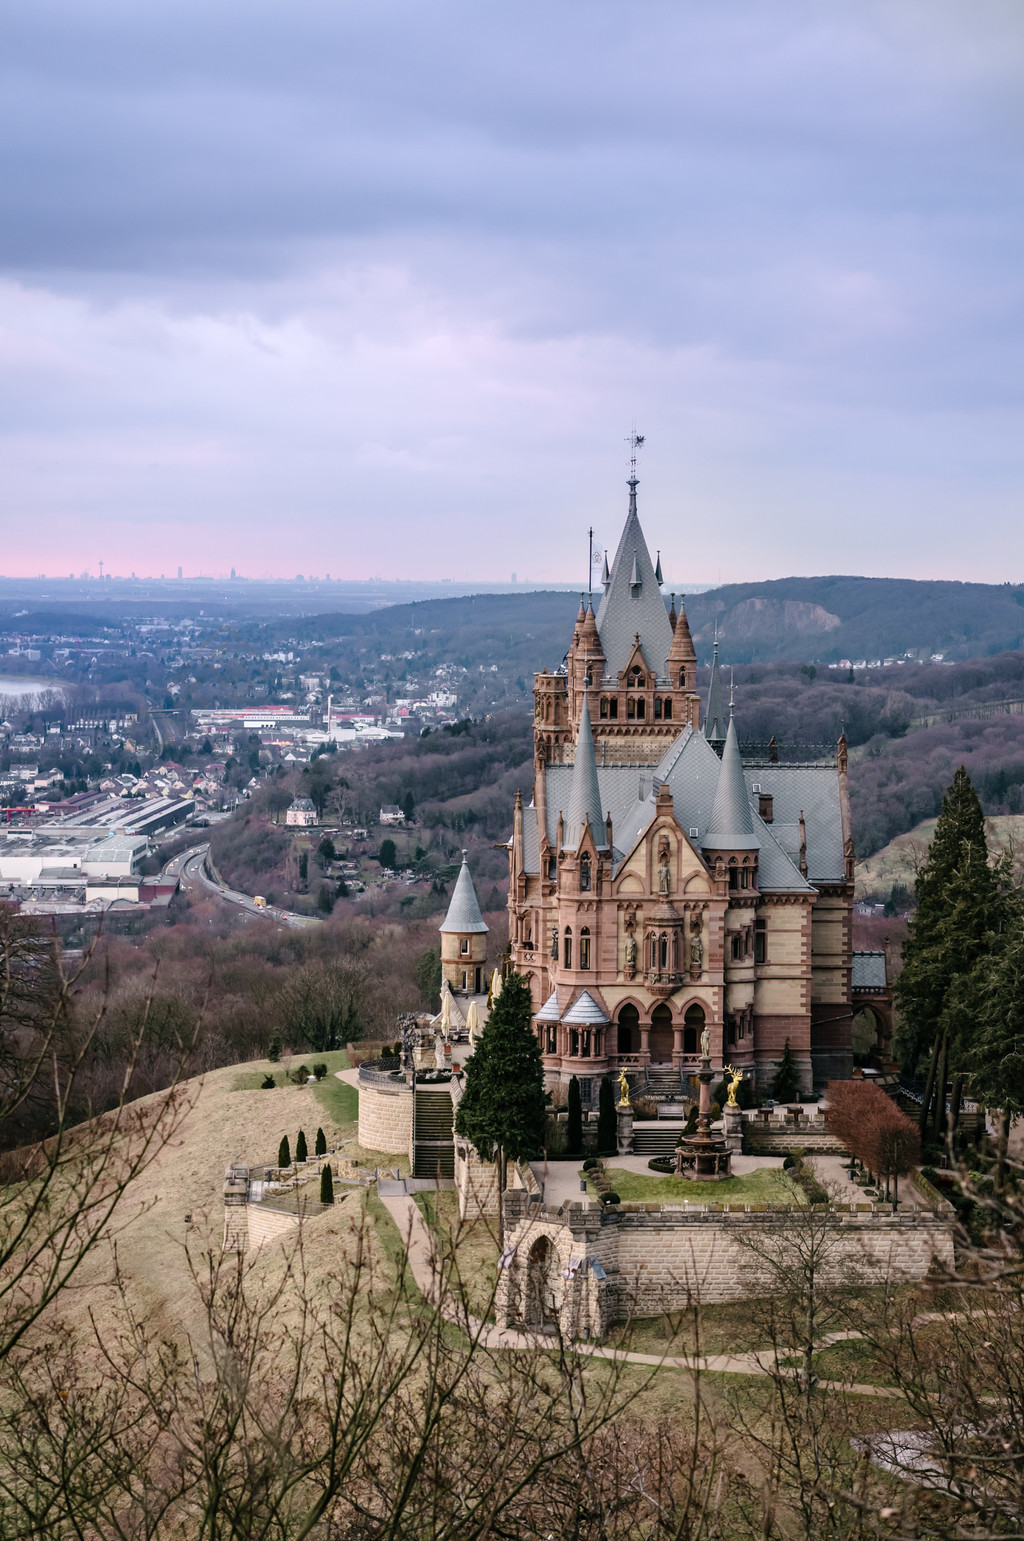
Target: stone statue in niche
554 943
664 868
629 955
696 949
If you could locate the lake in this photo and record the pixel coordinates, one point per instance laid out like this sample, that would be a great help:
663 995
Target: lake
20 686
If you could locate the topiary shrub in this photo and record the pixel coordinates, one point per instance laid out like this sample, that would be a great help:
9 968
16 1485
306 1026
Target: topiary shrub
274 1048
320 1146
284 1153
590 1163
662 1164
610 1197
326 1185
301 1076
320 1070
267 1082
301 1149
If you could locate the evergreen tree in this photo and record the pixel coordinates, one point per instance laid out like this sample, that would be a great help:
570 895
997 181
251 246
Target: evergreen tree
326 1184
956 896
274 1048
502 1109
301 1152
786 1084
321 1143
607 1118
284 1156
574 1128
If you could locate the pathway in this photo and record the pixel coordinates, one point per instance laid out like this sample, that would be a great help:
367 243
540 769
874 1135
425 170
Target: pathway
419 1243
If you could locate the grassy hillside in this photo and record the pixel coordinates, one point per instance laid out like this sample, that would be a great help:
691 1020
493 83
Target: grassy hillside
897 864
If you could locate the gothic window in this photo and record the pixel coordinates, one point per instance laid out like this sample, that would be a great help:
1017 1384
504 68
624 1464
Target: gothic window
635 679
574 1042
584 874
682 679
745 877
734 874
613 708
641 708
663 952
657 708
693 1026
552 1034
567 948
732 1030
630 707
604 706
585 948
761 940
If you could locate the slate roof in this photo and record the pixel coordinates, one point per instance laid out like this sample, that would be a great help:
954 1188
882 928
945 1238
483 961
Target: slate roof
815 790
633 603
584 793
463 915
714 721
585 1012
731 827
302 805
549 1011
869 971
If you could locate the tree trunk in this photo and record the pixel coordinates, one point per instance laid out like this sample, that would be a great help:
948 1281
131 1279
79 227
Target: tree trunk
501 1198
1004 1139
939 1126
957 1099
929 1087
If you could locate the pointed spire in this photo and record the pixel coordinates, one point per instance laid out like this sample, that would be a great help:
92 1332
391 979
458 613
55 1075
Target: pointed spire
584 793
657 571
582 615
672 617
631 600
606 576
682 655
464 917
732 824
713 717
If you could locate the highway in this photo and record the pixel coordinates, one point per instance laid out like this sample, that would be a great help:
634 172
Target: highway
190 867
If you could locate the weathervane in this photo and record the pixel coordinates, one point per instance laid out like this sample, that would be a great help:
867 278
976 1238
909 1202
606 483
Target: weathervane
635 442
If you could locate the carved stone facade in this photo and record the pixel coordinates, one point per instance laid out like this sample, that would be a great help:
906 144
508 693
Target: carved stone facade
660 885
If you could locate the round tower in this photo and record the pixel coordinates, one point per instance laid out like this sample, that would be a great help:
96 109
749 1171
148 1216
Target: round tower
464 938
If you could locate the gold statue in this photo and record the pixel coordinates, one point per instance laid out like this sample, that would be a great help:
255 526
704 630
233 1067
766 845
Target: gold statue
735 1077
623 1090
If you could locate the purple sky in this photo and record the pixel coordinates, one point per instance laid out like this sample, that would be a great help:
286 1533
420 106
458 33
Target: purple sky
368 286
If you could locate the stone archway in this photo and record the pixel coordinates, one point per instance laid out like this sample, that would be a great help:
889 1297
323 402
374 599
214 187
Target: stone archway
540 1299
629 1029
662 1037
693 1026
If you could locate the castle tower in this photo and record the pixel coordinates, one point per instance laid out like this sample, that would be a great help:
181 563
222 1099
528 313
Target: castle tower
464 938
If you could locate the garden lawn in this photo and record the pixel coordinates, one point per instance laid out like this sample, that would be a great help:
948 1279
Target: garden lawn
766 1185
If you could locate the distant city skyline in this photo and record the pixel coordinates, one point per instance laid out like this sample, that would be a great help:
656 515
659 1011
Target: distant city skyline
386 287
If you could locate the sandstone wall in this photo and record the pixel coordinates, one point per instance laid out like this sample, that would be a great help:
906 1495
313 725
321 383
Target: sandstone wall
269 1225
385 1119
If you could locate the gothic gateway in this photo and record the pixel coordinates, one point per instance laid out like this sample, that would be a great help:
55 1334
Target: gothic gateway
660 883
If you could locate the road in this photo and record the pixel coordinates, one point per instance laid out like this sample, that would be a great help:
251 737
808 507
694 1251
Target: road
190 867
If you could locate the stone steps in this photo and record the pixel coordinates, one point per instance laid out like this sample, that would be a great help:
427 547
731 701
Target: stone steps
656 1139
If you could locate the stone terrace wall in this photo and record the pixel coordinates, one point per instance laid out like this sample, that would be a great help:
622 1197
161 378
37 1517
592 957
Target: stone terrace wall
655 1260
385 1118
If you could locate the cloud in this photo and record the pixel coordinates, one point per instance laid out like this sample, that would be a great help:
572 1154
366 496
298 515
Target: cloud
395 280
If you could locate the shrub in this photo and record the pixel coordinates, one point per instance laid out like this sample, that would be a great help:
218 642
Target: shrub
662 1164
610 1197
300 1076
301 1151
267 1082
320 1070
320 1146
644 1107
326 1184
715 1111
274 1048
574 1127
284 1154
590 1163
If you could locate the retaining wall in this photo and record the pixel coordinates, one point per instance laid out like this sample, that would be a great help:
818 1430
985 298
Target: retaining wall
385 1118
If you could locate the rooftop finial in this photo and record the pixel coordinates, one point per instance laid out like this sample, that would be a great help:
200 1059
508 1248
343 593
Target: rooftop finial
732 690
635 442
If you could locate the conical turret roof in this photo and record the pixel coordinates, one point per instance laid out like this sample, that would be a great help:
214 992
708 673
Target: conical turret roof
682 650
714 721
464 915
632 602
584 792
732 823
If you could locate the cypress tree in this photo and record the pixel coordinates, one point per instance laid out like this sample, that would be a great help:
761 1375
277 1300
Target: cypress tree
300 1146
786 1084
284 1155
321 1143
502 1108
956 895
326 1184
607 1118
574 1129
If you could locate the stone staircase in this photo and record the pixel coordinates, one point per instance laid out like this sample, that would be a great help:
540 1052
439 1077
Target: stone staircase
656 1139
433 1148
662 1081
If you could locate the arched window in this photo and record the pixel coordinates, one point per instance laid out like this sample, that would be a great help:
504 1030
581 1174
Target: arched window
589 677
613 708
584 874
631 707
657 708
585 948
653 952
734 873
668 710
567 947
604 706
693 1026
641 707
682 679
635 679
663 952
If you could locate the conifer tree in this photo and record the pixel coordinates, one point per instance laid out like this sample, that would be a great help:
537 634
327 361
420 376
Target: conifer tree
574 1128
284 1155
321 1143
301 1151
607 1118
326 1184
786 1084
502 1108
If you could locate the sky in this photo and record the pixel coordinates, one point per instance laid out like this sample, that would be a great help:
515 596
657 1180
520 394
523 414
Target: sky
382 286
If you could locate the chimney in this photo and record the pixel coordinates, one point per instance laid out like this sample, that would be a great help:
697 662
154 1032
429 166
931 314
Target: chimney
764 806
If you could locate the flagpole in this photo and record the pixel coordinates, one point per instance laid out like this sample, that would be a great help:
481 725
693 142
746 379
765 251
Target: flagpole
590 564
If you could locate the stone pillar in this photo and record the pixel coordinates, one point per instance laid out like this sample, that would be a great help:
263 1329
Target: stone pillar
677 1044
733 1121
236 1213
625 1129
645 1043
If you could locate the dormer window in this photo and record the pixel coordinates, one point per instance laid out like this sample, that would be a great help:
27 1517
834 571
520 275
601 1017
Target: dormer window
635 679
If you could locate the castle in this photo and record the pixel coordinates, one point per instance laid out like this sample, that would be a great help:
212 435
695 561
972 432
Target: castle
660 884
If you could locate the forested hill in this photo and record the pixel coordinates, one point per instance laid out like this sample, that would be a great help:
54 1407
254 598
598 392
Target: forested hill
808 620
